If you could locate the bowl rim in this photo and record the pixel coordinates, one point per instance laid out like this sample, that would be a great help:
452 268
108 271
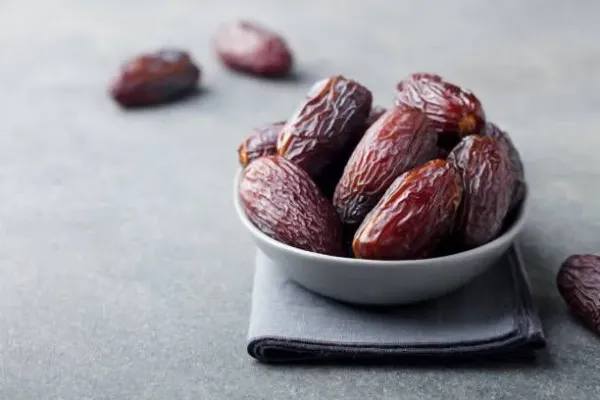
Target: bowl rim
512 231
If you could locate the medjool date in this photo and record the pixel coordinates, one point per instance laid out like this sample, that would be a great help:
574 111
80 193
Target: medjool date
484 167
516 164
284 203
262 141
455 112
399 140
578 282
414 214
324 123
332 173
249 47
155 78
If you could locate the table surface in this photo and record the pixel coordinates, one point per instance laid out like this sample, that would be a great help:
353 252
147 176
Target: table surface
124 273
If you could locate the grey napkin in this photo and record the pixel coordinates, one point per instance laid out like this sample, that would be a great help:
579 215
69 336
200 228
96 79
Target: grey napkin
493 315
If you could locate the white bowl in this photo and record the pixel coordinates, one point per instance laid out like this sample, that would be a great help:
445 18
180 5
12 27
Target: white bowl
373 282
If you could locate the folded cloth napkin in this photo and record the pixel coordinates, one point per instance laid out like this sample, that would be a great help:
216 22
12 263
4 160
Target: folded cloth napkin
492 315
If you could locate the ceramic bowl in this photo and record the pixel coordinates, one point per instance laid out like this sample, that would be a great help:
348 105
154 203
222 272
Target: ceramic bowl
373 282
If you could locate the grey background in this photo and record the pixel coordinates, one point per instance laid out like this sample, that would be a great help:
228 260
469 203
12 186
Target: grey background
124 273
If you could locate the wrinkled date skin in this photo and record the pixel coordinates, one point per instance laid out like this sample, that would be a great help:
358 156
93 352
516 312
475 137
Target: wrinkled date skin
332 173
516 164
248 47
484 166
414 214
325 123
578 282
155 78
262 141
455 112
399 140
284 203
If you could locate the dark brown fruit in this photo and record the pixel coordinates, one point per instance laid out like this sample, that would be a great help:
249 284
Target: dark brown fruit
454 111
484 167
331 174
262 141
155 78
249 47
399 140
414 214
320 129
284 203
578 282
516 164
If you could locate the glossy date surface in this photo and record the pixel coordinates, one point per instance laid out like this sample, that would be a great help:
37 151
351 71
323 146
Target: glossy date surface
484 166
454 111
262 141
320 129
414 214
399 140
331 174
284 203
516 164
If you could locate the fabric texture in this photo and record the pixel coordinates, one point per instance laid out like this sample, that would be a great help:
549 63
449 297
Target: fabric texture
491 316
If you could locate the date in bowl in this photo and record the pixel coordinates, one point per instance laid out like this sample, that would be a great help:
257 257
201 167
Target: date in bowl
382 282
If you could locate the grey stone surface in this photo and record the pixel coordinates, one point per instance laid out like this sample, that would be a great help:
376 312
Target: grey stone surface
124 273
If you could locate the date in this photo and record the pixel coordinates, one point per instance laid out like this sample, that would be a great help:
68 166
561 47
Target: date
484 167
399 140
155 78
251 48
331 174
283 202
262 141
578 282
455 112
325 123
412 217
516 164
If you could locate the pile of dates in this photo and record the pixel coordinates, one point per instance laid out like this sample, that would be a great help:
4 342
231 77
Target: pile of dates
427 177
